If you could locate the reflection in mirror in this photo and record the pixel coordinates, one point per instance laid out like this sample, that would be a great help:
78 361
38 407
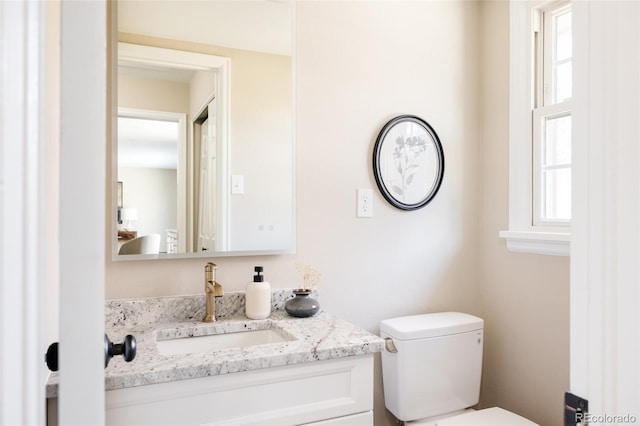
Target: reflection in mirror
148 164
205 140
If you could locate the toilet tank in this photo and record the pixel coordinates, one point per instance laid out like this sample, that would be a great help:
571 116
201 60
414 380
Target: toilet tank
437 366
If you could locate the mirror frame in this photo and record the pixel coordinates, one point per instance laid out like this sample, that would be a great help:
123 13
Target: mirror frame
382 180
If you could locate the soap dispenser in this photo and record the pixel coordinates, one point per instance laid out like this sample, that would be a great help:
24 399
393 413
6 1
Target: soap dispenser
258 297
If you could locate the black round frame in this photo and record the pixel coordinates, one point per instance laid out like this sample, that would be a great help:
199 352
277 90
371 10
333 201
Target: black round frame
376 162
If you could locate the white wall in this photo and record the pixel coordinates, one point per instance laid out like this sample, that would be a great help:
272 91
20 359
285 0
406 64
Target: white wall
153 193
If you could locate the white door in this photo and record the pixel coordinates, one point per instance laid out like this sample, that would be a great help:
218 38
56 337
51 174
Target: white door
605 241
207 193
82 254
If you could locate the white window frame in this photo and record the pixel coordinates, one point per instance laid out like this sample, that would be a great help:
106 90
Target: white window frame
524 235
540 115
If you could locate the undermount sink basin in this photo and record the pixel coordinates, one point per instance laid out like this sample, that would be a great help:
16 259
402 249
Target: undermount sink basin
199 344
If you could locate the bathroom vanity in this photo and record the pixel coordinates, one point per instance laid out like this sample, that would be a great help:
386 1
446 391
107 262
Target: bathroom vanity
280 370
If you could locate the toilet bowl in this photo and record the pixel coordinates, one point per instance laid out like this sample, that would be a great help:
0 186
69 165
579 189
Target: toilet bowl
487 417
431 371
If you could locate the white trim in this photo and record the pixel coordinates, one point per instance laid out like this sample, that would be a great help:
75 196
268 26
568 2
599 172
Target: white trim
579 313
22 212
550 243
520 103
138 54
519 236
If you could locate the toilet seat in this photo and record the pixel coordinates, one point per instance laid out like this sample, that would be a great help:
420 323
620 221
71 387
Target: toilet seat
488 417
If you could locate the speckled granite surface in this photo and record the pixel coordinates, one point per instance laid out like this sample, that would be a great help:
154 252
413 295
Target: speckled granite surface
321 337
155 310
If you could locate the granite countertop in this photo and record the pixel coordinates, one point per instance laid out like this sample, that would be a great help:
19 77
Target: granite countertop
321 337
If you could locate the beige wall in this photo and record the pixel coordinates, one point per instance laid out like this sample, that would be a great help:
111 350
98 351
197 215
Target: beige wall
350 83
448 63
525 298
151 94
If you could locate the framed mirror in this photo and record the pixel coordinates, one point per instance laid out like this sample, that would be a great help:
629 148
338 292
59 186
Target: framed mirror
408 162
204 152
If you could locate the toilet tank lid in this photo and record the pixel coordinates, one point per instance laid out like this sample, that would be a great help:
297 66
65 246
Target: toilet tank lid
430 325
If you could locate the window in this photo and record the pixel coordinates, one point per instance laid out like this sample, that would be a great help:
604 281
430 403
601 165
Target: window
551 134
540 127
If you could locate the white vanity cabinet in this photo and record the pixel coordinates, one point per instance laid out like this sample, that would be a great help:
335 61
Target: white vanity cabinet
322 373
333 392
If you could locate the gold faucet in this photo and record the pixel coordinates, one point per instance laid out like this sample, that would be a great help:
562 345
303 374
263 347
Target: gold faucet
211 290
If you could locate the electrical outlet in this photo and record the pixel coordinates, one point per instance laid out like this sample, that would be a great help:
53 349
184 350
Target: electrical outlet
237 184
364 203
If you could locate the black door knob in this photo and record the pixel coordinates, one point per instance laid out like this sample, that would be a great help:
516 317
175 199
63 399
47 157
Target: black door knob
127 349
51 357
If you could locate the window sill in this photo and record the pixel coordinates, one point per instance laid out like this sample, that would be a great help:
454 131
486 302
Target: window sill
535 242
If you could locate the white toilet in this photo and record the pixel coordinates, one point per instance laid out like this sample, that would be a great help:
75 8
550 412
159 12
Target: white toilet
431 370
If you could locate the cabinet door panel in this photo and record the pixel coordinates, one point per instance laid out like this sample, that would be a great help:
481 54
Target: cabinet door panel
295 394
